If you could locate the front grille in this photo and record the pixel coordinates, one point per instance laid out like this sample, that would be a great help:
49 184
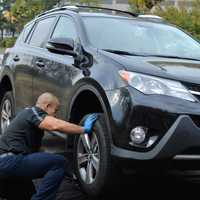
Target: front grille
194 89
192 151
196 120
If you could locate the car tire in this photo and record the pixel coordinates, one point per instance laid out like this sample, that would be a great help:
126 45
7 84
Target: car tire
101 167
6 111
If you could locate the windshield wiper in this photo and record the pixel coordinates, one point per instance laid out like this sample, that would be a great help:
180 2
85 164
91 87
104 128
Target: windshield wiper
122 52
171 56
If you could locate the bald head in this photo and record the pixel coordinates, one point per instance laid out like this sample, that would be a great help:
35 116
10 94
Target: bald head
46 98
48 102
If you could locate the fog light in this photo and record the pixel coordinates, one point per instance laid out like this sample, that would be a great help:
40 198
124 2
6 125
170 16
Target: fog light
138 135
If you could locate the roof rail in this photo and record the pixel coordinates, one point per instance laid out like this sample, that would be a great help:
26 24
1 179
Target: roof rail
152 17
72 8
109 9
76 9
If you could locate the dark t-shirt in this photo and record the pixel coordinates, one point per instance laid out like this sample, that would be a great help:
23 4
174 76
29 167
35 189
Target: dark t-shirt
23 135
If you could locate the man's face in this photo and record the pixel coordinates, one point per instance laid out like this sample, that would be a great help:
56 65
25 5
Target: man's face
52 108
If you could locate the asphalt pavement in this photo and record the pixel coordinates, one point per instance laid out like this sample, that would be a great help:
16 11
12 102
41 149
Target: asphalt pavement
186 185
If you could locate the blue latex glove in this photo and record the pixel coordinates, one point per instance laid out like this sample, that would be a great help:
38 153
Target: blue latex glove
89 122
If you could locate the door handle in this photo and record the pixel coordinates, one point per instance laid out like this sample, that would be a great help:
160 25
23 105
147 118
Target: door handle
16 58
40 64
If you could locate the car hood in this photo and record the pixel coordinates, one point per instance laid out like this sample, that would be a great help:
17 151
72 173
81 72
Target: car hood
177 69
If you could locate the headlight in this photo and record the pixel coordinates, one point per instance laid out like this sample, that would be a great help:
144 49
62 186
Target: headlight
154 85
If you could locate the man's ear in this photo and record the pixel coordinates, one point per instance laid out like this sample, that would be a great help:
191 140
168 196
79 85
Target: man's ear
47 106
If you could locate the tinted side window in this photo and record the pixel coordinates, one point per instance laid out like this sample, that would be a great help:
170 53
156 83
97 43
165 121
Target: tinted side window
65 29
23 35
27 30
41 32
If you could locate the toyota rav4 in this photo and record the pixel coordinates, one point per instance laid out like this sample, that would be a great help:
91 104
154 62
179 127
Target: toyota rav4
139 73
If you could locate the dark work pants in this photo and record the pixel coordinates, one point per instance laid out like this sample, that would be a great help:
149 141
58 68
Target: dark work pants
23 169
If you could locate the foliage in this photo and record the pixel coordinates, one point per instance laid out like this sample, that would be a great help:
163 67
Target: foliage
7 42
188 19
24 11
142 5
4 22
86 2
48 4
182 16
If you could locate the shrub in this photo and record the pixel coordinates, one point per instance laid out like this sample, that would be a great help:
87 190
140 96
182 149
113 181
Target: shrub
188 19
7 42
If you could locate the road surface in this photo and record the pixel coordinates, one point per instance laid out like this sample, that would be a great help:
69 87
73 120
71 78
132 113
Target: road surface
143 187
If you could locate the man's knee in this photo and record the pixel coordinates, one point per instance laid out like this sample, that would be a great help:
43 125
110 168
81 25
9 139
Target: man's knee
60 161
53 161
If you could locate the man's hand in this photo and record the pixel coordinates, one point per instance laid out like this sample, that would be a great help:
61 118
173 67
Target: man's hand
89 123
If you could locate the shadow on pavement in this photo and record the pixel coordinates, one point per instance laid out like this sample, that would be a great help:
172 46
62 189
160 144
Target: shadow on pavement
141 186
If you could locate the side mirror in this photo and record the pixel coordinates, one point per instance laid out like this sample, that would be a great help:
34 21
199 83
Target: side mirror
63 46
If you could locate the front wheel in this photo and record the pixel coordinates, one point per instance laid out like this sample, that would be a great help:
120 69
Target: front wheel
92 158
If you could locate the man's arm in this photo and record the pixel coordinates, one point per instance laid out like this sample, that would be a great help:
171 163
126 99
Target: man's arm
53 124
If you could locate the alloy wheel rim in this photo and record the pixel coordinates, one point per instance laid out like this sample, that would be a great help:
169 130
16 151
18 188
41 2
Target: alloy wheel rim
6 114
88 157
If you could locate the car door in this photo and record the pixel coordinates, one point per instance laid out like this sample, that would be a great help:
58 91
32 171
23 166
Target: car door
57 71
54 75
22 65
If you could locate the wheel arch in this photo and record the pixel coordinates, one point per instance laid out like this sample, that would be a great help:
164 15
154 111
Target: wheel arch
5 85
98 102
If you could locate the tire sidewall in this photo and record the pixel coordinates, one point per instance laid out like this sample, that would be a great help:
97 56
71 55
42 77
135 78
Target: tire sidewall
95 188
8 95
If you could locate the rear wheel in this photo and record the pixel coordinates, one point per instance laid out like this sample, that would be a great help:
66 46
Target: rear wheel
92 158
6 111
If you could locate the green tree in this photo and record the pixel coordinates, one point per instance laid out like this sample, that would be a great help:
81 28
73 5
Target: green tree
86 2
2 25
143 5
46 4
188 19
4 22
25 10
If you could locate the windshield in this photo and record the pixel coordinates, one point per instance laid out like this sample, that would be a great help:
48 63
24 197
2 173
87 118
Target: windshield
139 37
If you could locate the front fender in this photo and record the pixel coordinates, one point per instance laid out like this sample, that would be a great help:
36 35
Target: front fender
88 84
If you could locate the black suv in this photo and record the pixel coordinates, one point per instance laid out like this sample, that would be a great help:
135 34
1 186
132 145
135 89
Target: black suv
141 74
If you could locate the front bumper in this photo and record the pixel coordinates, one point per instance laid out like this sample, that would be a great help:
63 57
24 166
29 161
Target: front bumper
176 122
182 135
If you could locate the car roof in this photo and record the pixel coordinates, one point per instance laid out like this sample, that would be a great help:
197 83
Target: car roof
97 11
100 12
143 18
